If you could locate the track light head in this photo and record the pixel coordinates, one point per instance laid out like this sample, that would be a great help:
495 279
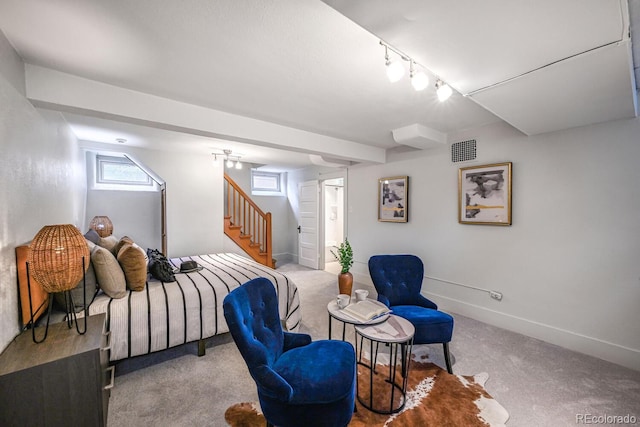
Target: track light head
419 79
443 90
395 71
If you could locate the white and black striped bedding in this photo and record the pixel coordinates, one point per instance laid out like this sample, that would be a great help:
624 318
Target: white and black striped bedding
165 315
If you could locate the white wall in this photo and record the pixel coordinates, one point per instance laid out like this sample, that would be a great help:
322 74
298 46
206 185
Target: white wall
569 265
42 179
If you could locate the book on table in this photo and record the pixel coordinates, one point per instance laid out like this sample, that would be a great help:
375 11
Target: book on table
366 310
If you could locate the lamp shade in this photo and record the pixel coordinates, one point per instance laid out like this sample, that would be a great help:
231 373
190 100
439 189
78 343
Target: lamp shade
55 257
102 225
443 90
395 71
419 81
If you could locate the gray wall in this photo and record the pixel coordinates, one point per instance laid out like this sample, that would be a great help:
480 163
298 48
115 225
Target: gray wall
194 202
568 266
133 213
42 179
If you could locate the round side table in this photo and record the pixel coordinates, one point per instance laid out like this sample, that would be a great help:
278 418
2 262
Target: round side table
336 313
397 333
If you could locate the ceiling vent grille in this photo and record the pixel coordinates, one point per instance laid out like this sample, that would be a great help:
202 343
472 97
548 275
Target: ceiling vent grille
463 151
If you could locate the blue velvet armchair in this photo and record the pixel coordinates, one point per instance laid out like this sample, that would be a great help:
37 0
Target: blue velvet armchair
398 281
300 382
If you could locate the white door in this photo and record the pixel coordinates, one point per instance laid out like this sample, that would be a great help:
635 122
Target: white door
308 194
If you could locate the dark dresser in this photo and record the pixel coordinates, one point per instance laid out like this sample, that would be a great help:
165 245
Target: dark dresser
64 381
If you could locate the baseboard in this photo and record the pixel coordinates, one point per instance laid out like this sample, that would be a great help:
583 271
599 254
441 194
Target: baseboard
611 352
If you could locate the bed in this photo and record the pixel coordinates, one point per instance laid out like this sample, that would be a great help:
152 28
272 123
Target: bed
168 314
165 315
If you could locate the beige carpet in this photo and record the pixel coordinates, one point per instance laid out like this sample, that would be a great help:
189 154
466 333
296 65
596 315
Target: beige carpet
541 385
434 398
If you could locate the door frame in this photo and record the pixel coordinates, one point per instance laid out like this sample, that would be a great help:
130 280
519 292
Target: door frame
322 177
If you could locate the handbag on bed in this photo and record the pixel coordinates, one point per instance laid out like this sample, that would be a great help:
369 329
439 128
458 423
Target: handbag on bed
159 266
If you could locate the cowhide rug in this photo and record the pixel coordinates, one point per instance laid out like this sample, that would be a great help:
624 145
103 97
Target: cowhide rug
434 398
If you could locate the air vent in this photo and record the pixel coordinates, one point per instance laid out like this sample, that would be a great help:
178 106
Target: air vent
463 151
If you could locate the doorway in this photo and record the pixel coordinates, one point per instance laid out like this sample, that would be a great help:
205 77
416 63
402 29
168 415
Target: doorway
332 220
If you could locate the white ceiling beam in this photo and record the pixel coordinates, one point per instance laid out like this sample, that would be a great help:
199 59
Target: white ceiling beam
53 89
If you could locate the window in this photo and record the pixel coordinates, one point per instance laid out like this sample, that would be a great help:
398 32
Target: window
266 183
120 170
113 172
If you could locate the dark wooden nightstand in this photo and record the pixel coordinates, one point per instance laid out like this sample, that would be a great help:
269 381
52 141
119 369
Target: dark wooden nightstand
64 381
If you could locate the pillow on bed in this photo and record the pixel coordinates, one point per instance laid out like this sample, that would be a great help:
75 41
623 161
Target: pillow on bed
108 242
123 241
133 261
108 272
92 235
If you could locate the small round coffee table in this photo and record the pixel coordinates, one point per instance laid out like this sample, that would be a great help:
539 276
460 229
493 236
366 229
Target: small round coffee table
397 333
337 313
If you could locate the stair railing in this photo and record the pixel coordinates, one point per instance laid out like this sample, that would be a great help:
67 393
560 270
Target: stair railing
244 213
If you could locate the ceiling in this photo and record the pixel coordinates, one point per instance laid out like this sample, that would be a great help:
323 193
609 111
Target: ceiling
278 80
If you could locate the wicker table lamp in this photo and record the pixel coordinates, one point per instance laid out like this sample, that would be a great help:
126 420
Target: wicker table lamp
102 225
57 261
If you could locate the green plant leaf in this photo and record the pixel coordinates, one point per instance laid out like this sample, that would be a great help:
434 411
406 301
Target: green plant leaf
344 255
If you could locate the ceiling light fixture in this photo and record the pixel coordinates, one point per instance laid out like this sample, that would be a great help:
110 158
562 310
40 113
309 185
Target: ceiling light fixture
419 79
395 70
443 90
230 160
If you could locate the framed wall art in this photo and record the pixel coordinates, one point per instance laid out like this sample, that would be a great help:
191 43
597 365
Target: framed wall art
393 199
484 194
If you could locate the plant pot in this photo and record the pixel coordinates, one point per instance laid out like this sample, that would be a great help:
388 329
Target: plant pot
345 283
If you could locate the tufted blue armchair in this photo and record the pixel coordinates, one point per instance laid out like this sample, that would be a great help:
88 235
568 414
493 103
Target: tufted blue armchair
300 382
398 281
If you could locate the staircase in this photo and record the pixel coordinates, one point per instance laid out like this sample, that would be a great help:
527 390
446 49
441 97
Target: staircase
246 224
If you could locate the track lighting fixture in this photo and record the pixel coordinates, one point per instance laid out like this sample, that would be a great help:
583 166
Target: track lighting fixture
443 90
419 79
230 160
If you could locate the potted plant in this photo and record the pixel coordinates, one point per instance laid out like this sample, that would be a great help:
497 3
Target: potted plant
344 255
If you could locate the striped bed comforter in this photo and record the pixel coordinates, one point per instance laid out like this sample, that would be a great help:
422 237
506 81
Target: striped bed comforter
165 315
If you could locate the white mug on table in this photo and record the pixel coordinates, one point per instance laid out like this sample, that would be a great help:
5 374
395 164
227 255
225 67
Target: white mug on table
361 294
343 300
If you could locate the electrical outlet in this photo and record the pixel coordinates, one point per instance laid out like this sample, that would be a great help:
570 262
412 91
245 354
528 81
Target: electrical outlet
495 295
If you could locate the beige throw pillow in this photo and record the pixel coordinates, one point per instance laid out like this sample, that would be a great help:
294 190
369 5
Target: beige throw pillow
108 242
108 273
